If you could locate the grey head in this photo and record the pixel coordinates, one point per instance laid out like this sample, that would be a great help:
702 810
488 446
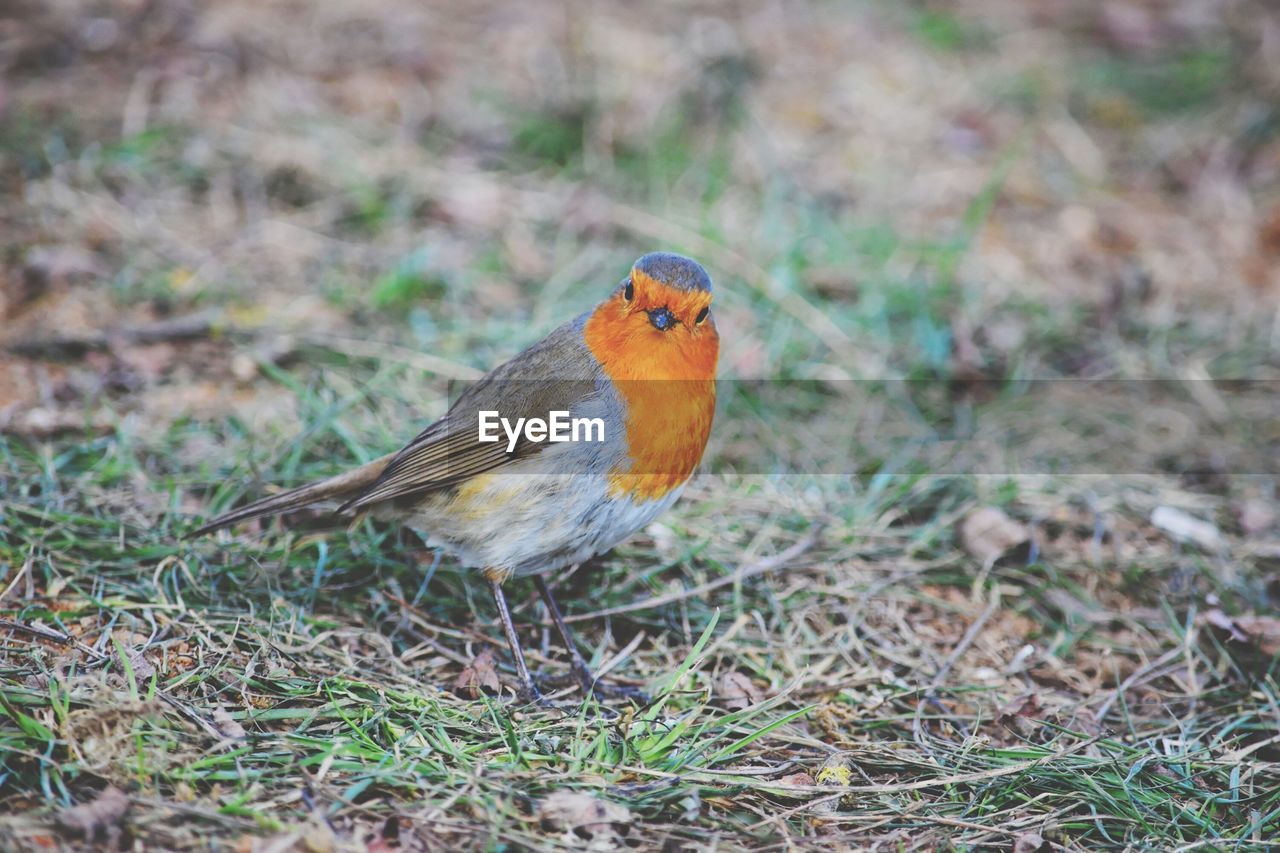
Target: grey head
674 271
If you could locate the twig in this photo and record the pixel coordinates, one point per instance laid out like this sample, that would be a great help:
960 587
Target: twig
74 346
750 570
929 696
965 641
38 631
54 636
941 821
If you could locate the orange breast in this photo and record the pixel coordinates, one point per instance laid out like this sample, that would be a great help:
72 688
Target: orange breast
667 381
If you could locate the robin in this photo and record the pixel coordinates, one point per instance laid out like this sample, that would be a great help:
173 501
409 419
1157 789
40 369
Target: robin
637 373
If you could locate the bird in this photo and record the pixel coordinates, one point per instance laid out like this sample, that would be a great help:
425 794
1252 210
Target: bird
638 371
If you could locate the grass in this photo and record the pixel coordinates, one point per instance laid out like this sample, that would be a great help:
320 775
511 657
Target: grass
331 656
1175 83
910 333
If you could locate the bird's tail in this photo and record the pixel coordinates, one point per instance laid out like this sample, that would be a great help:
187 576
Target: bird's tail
344 485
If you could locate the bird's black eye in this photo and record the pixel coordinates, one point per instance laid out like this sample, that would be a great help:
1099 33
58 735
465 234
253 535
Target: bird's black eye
702 315
629 291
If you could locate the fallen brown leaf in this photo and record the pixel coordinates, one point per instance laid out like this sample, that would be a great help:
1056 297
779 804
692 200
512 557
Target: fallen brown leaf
478 677
736 691
584 815
987 534
228 727
142 668
1022 717
800 778
1024 706
1029 842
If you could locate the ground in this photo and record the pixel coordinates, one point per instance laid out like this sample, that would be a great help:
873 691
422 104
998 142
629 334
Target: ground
978 542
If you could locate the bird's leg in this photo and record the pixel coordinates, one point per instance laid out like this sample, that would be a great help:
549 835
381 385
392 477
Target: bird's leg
577 664
582 672
528 690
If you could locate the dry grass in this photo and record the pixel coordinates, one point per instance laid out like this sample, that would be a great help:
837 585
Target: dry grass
296 223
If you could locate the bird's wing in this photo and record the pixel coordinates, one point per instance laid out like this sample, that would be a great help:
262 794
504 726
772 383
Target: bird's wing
556 374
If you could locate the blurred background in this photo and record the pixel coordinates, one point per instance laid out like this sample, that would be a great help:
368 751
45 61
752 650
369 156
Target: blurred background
880 189
252 241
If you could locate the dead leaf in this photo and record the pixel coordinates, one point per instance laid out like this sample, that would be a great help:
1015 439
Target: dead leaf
1022 717
142 668
98 818
1261 634
584 815
1025 706
987 534
736 691
1029 842
800 778
479 677
228 727
1187 528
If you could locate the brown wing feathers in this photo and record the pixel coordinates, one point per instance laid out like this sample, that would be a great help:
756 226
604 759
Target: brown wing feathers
551 375
447 452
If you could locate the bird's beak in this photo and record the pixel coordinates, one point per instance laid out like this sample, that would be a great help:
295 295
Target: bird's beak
662 318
